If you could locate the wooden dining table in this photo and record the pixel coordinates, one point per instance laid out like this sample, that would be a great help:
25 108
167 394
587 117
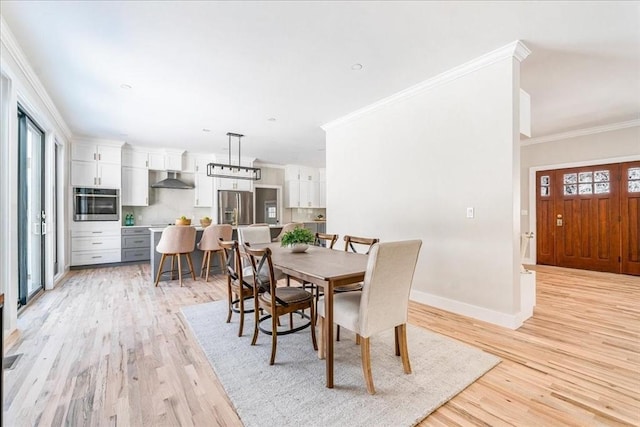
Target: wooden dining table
326 268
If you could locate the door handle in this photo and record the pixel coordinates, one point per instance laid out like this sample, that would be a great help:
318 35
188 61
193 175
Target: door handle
559 220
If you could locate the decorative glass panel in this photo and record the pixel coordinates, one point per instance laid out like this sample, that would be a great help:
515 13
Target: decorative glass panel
601 187
585 177
585 189
570 190
544 180
634 173
570 178
634 186
601 176
544 191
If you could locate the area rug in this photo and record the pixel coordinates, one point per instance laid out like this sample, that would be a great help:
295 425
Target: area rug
292 392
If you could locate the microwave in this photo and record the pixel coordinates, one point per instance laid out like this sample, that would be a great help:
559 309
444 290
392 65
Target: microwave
96 204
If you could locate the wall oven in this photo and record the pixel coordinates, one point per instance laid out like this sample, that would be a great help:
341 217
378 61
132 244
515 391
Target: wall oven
96 204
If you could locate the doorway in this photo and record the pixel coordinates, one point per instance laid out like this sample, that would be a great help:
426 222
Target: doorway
589 217
31 214
267 206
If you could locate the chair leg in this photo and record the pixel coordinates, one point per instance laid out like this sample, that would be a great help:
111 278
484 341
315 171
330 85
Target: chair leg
241 304
206 277
321 343
179 270
274 339
358 339
314 341
404 349
366 364
338 333
190 262
204 261
230 300
160 268
256 318
173 263
396 332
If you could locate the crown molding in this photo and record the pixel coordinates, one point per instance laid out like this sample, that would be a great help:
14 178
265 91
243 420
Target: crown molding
14 50
580 132
514 49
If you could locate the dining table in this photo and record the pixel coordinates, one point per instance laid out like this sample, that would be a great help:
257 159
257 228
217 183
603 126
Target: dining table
327 268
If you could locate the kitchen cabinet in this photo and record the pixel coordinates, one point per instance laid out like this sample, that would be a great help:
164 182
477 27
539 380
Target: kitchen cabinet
95 243
300 173
95 165
234 184
135 159
166 160
136 244
304 187
135 187
203 190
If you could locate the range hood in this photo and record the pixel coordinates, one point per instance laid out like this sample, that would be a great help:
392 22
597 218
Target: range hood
172 181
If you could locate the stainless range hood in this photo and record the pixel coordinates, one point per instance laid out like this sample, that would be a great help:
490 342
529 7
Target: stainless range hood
172 181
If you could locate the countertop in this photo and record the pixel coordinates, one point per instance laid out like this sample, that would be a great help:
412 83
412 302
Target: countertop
158 228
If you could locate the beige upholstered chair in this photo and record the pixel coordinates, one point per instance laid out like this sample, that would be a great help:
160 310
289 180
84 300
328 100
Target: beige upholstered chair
176 240
383 302
288 227
210 244
254 235
276 300
239 287
258 224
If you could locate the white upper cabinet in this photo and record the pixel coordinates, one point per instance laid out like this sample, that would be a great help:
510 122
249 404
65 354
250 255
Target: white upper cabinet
166 160
135 187
96 164
135 159
303 188
204 190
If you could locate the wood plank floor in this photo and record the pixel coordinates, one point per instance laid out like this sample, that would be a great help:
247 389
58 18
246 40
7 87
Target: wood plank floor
107 348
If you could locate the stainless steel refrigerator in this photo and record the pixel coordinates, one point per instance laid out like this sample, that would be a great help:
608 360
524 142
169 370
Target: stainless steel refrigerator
235 206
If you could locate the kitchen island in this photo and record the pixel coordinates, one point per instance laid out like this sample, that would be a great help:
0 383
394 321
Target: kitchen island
196 255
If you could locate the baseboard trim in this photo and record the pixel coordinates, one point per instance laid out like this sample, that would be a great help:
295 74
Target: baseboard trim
510 321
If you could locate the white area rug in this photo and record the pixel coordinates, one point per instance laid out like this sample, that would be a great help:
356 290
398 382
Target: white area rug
292 392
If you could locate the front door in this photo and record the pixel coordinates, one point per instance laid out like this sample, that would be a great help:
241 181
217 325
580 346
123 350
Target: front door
587 217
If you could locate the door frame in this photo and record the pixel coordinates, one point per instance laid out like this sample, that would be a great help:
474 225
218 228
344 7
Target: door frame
533 243
278 189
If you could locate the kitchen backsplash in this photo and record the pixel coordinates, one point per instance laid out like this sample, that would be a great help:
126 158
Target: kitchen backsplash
304 214
165 205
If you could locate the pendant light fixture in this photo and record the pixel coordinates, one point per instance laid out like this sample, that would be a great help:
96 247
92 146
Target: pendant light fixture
222 170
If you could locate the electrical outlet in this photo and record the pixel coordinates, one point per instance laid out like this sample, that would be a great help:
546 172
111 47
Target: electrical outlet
469 212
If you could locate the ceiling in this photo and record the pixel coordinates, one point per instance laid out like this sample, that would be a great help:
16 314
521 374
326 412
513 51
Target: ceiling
237 66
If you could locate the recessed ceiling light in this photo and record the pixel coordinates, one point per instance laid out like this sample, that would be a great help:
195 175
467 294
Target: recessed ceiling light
272 119
356 67
206 130
125 86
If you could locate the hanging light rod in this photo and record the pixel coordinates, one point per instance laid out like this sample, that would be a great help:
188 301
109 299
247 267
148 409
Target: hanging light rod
222 170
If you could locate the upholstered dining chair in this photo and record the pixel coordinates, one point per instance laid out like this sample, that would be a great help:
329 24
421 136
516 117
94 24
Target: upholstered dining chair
258 224
176 240
357 245
254 235
286 228
239 287
209 244
276 300
382 304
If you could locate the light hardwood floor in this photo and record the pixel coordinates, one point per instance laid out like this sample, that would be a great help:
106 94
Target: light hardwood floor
106 348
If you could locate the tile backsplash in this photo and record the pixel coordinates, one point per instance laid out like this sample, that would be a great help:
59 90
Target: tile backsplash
165 205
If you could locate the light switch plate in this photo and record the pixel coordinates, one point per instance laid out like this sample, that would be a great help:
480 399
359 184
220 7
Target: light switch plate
469 212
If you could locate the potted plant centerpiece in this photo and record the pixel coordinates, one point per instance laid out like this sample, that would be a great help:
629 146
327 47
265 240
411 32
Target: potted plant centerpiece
298 239
205 221
183 220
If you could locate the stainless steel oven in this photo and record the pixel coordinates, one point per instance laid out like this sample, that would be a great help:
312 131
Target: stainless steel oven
96 204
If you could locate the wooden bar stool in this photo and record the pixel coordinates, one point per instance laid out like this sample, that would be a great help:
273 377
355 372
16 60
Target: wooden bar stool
176 240
210 244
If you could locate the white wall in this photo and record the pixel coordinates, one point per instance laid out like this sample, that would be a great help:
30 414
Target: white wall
599 148
409 168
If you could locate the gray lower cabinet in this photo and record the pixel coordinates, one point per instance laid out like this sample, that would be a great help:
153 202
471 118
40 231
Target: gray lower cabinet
135 244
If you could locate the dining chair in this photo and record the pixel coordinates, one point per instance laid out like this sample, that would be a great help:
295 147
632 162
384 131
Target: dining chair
254 235
286 228
258 224
176 240
326 240
354 244
276 300
382 304
239 286
209 244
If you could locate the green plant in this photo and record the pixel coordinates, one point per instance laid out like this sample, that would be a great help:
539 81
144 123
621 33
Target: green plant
183 217
296 236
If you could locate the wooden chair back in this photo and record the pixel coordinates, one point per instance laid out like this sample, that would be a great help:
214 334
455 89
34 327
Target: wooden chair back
328 239
368 242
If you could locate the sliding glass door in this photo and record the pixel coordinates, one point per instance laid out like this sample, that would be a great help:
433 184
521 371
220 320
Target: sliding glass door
31 215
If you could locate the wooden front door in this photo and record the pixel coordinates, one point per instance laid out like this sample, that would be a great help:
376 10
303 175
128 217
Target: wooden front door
588 217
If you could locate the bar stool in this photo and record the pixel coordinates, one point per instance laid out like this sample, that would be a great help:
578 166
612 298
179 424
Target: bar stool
210 244
176 240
